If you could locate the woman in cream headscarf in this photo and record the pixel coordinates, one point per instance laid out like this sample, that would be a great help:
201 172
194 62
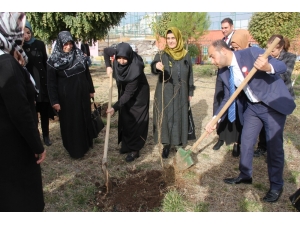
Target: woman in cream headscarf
174 67
240 39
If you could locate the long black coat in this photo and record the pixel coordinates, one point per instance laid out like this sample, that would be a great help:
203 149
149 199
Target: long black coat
20 176
73 95
37 67
133 108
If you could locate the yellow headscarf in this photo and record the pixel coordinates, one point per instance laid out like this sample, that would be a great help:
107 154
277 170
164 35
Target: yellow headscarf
241 38
178 52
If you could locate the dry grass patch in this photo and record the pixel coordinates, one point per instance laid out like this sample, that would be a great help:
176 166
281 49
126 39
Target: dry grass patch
70 185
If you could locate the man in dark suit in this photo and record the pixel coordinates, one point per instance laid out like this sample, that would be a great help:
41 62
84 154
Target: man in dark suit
265 100
225 129
227 30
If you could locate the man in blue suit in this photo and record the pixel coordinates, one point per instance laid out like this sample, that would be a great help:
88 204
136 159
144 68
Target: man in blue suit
265 100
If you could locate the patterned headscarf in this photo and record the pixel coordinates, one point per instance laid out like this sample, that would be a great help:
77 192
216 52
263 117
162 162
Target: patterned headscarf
241 38
66 61
11 32
178 52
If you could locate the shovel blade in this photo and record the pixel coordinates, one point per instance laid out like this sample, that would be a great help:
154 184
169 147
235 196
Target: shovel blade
183 159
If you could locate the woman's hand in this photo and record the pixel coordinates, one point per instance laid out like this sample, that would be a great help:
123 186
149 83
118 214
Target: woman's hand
159 66
56 107
41 157
19 57
190 98
111 111
109 70
91 95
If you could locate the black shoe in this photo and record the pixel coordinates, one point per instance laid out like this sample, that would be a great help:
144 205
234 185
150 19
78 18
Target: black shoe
218 145
259 151
236 150
272 195
122 151
238 180
47 140
166 151
132 156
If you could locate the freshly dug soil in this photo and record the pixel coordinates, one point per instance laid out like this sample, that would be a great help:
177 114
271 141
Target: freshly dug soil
141 191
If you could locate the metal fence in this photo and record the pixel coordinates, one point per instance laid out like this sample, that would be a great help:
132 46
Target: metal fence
136 25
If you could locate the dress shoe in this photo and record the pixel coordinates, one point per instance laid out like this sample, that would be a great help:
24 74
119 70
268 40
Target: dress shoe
259 151
238 180
47 140
166 151
272 195
132 156
218 145
236 150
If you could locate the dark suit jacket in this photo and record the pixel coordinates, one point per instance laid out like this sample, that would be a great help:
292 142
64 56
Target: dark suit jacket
269 88
289 59
219 89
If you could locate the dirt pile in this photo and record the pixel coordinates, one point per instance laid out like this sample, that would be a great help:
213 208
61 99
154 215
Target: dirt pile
141 191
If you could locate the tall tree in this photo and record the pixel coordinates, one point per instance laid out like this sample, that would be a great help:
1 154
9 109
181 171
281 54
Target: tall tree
264 24
160 24
82 25
191 24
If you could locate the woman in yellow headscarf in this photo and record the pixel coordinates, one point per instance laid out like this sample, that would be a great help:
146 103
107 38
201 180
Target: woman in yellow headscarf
175 71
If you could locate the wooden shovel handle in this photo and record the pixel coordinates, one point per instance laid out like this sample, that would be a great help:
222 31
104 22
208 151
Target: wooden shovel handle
237 91
108 119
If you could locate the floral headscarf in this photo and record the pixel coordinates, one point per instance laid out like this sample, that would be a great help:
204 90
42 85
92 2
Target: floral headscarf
61 60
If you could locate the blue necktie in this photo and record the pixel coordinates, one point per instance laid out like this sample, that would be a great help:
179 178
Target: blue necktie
231 110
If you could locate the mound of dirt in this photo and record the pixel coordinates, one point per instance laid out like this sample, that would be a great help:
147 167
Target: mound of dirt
142 191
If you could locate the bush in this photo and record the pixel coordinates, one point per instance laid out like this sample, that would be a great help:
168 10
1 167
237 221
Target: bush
193 50
204 70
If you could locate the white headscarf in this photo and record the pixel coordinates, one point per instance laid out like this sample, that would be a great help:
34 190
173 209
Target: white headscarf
11 32
11 35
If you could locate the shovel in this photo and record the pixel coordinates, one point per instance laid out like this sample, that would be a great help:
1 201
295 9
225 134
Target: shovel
183 157
108 183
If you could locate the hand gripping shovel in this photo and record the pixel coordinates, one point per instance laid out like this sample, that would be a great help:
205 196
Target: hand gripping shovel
183 157
108 183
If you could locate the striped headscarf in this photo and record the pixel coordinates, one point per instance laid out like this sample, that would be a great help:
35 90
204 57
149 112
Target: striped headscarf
11 36
12 32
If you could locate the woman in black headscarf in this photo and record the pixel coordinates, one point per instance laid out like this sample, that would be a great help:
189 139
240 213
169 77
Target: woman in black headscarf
70 88
21 149
133 98
37 64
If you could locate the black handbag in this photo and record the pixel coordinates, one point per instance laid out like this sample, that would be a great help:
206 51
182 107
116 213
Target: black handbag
97 122
191 127
295 199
